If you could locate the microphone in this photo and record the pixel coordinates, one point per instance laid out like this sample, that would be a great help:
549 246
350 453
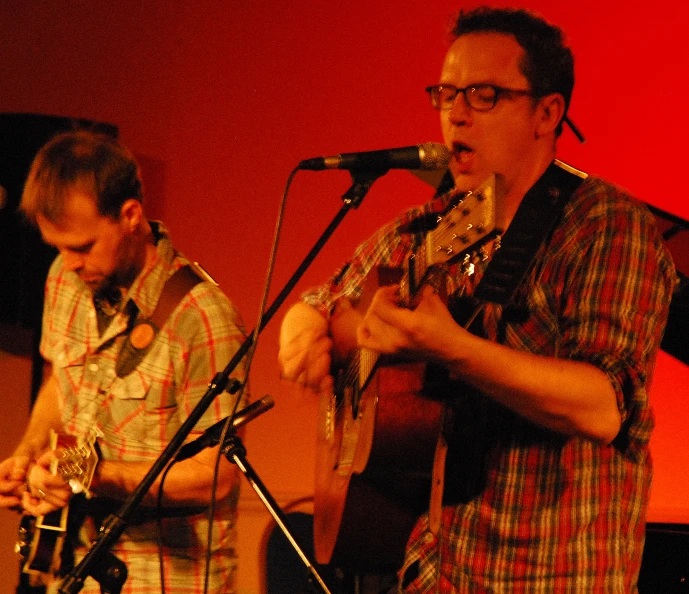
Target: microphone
431 155
211 436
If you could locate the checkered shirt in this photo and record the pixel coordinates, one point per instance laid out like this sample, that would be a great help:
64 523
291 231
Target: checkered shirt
527 509
137 415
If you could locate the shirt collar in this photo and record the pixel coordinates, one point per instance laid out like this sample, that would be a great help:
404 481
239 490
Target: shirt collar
148 285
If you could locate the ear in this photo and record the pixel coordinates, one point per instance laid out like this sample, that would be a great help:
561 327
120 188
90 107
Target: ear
550 111
131 214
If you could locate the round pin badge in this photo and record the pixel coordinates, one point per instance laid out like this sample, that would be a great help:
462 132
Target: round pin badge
142 335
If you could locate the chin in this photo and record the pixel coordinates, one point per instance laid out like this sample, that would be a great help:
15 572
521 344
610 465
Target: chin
466 182
93 285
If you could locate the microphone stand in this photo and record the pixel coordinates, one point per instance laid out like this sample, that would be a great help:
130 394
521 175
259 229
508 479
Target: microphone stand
115 524
233 449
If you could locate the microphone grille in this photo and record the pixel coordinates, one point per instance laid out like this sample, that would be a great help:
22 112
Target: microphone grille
434 155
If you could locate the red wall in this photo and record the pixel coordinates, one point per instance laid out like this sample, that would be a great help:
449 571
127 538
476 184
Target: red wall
220 100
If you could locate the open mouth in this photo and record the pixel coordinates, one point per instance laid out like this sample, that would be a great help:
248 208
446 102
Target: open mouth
462 152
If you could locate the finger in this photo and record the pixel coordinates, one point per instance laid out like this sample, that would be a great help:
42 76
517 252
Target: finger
432 301
38 507
37 473
309 364
385 306
7 486
10 501
327 385
372 334
428 292
18 468
385 297
318 370
55 483
293 356
40 501
319 351
292 365
387 292
44 460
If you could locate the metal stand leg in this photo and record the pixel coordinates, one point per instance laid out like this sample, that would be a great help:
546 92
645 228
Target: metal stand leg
233 449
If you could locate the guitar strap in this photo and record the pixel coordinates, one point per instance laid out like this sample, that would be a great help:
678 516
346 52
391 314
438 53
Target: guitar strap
145 330
536 217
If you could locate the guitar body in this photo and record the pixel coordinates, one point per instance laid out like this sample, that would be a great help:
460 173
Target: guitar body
378 430
373 472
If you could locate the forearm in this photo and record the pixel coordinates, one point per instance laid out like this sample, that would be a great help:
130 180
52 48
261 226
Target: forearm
570 397
188 483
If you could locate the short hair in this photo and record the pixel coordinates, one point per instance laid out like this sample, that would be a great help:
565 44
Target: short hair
548 64
92 162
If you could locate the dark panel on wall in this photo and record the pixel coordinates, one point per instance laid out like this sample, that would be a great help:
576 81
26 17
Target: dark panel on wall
23 257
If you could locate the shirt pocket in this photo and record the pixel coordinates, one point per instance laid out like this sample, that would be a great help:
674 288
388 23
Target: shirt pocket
135 420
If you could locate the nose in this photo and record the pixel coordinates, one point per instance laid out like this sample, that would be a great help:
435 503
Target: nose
461 111
72 260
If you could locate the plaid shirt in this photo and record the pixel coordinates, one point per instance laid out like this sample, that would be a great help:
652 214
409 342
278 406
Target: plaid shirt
137 415
526 509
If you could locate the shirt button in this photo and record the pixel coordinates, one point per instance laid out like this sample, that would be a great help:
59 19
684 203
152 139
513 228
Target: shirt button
93 367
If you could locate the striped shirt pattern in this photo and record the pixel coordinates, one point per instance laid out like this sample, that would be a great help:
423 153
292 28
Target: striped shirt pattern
136 415
527 509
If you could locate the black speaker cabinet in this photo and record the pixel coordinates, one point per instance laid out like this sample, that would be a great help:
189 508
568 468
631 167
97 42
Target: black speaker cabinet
665 564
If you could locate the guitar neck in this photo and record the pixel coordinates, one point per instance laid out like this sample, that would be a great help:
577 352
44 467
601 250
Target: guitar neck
467 223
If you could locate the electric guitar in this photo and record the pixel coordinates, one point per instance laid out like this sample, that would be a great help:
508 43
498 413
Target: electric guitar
376 431
41 539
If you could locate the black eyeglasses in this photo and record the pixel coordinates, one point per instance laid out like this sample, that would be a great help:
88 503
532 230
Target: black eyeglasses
482 98
479 97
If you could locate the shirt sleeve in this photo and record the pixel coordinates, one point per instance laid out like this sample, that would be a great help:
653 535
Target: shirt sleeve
208 332
389 246
617 300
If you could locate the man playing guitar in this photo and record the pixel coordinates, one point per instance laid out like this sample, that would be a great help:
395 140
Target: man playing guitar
547 467
119 375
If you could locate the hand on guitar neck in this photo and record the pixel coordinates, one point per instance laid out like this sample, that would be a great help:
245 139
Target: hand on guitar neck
409 322
419 333
45 491
67 468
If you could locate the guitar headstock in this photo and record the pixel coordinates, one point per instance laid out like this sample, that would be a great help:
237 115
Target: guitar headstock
75 460
469 222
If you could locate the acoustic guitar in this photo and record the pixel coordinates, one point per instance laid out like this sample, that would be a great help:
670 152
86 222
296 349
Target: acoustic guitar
377 432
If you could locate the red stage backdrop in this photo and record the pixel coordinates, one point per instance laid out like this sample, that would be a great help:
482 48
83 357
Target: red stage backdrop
220 100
